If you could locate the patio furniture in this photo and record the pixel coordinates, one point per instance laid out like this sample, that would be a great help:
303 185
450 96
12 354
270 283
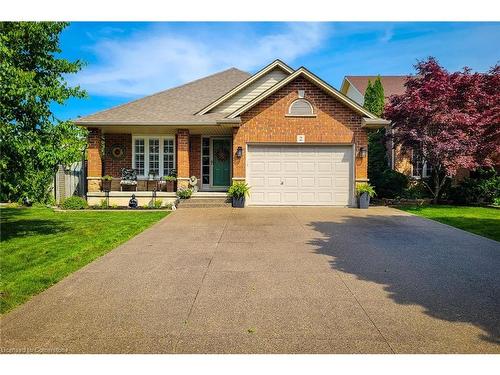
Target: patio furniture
129 178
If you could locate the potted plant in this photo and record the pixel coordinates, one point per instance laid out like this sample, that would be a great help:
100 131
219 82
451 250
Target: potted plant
365 191
170 182
238 191
106 183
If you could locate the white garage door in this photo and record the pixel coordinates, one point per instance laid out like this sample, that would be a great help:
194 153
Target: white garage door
299 175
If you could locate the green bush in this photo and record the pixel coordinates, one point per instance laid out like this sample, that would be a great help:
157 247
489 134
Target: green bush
416 190
74 203
365 188
184 193
170 178
238 190
481 188
390 184
157 203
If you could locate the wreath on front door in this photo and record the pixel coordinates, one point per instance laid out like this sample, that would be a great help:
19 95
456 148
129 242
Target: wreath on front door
222 154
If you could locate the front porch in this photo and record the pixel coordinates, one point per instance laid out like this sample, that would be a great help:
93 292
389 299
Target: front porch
205 153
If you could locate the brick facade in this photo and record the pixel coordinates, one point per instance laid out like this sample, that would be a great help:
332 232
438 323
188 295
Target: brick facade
195 156
112 165
334 123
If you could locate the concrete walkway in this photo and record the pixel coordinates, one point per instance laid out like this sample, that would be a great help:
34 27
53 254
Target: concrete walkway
275 280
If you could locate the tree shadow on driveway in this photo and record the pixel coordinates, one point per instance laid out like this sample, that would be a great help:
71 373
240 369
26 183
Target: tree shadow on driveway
454 275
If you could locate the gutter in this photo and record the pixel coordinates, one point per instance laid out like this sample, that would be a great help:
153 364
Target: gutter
235 121
374 123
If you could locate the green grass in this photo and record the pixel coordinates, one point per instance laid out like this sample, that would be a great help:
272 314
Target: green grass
39 247
484 221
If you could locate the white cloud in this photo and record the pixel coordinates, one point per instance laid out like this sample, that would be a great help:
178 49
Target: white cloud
151 61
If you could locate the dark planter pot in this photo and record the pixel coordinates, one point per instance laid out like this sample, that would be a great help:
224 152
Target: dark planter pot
106 185
239 202
171 186
364 200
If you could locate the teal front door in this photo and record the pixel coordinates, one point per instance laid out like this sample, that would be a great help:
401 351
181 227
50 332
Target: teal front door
221 156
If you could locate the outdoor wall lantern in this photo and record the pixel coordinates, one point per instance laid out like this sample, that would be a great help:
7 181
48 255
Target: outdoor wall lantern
362 152
239 152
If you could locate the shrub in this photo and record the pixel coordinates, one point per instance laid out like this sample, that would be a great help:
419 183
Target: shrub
157 203
238 190
365 188
391 184
184 193
74 203
104 203
482 187
169 178
415 190
107 178
496 201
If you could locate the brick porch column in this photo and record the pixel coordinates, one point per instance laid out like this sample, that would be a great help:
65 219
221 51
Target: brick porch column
182 158
94 161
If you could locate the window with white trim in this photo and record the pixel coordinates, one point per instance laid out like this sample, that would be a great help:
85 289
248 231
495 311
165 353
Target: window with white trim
138 159
420 168
168 156
300 107
153 155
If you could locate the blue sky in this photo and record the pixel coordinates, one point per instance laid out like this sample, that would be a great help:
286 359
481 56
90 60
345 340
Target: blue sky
126 61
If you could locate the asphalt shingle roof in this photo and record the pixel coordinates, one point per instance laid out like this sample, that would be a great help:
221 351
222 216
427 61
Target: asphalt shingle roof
178 104
393 85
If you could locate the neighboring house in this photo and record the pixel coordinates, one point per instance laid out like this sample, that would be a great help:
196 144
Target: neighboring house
400 160
291 136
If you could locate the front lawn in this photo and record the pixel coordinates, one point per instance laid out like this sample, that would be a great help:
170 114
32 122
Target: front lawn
484 221
39 247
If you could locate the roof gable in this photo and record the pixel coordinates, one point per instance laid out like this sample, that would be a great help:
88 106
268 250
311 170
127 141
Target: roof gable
250 88
393 85
313 79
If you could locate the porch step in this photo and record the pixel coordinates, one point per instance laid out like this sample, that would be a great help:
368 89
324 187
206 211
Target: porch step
205 202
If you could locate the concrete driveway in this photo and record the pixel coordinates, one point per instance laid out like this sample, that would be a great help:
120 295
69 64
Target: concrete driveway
275 280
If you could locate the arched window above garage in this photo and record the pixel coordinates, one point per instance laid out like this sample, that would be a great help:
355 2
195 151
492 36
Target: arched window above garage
300 107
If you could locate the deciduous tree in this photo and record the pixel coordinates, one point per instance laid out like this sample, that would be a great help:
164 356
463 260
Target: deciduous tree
451 120
32 78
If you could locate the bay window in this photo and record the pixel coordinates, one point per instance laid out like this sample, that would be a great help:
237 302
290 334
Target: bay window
153 155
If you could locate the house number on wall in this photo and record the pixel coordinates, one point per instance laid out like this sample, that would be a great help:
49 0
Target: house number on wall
301 138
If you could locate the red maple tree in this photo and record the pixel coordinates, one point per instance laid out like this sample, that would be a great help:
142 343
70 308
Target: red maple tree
451 120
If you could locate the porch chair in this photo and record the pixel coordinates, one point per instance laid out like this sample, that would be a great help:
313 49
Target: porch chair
129 178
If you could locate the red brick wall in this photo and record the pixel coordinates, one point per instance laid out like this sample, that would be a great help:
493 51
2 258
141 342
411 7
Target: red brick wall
334 123
113 166
195 156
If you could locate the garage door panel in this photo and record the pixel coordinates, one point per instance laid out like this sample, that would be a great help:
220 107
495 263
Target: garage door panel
258 182
274 166
299 175
258 166
307 166
291 197
325 166
291 166
274 181
307 182
291 182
